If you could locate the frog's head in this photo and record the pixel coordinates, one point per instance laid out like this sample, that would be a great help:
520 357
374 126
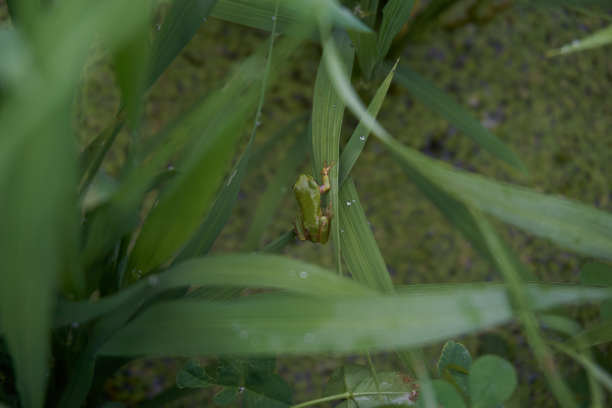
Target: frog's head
305 183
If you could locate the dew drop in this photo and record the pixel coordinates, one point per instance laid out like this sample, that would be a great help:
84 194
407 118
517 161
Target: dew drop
240 390
158 27
153 280
75 325
303 274
348 203
273 18
362 138
170 167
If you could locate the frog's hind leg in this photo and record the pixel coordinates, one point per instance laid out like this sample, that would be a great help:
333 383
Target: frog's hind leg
300 232
324 229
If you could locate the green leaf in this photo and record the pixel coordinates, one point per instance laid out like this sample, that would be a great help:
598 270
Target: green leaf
492 381
130 63
446 395
192 375
236 270
442 103
395 14
454 365
255 380
592 368
596 274
599 333
359 249
179 26
568 223
259 14
327 115
386 388
226 396
598 39
275 323
358 139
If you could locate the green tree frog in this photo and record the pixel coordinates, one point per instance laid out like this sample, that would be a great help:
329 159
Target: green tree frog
312 223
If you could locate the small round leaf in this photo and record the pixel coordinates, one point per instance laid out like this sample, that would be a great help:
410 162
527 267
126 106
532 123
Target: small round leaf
492 381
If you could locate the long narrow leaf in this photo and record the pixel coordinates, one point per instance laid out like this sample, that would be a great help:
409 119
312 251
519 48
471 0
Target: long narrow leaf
259 14
395 14
327 115
358 139
295 325
442 103
260 271
598 39
179 26
568 223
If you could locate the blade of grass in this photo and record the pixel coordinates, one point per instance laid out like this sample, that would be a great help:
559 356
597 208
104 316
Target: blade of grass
593 369
443 104
542 353
360 251
365 42
178 28
327 115
358 139
395 14
253 270
273 324
303 12
220 212
568 223
597 39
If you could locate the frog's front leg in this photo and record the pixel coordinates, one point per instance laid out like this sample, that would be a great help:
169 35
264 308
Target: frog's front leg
300 231
325 176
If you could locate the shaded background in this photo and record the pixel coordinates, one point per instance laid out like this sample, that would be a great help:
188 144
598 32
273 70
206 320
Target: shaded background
555 112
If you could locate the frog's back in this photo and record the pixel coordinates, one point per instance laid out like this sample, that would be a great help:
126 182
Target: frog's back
308 197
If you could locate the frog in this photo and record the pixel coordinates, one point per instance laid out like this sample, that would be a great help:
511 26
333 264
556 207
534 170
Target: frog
312 222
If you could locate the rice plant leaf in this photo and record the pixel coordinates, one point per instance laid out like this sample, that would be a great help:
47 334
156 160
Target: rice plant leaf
359 249
273 324
92 156
365 42
599 38
327 115
596 274
38 245
182 206
358 139
286 173
217 217
304 12
130 63
568 223
178 28
445 105
592 368
516 289
599 333
395 14
258 271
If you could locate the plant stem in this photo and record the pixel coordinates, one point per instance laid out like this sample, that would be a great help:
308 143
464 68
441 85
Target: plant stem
345 395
